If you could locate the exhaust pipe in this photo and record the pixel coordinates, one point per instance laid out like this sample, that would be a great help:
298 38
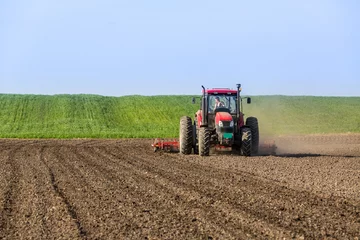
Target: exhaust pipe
204 108
238 99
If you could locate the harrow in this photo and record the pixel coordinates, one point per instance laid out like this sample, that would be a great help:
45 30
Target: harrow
166 145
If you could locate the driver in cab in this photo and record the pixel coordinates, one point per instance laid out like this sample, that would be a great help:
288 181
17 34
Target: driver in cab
218 103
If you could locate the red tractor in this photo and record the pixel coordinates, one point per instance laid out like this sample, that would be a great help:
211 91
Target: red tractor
219 125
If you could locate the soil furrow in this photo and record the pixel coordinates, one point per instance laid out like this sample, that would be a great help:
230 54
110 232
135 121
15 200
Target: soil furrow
10 195
69 207
60 193
54 155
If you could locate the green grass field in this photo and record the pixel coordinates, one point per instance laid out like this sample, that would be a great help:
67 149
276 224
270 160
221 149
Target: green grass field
93 116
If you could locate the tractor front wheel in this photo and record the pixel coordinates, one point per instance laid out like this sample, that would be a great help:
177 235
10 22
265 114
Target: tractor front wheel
204 141
246 142
186 135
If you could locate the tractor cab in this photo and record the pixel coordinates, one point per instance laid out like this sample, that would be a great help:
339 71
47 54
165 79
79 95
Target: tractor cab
220 114
220 106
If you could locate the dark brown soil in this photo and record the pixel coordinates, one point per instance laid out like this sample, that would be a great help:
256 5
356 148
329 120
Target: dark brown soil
120 189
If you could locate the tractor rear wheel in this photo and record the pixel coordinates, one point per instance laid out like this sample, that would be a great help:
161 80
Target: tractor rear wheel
252 123
204 141
186 135
246 141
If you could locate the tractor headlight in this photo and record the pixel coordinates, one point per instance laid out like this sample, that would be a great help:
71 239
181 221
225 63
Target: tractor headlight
232 124
221 124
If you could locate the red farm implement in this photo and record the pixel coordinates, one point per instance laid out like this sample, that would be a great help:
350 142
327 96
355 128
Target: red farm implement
166 145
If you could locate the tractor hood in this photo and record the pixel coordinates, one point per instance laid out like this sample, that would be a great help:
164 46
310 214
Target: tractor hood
223 116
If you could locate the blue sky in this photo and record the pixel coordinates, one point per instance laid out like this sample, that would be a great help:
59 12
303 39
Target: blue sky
300 47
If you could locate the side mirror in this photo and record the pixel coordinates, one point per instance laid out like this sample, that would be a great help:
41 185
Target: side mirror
248 100
193 100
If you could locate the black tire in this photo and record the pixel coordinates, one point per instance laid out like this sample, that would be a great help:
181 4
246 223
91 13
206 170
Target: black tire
186 135
204 141
252 123
246 142
195 146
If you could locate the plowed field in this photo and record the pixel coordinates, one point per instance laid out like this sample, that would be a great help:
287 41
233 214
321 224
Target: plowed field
120 189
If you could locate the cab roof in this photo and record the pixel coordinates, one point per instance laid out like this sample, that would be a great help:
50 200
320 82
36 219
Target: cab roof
215 91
